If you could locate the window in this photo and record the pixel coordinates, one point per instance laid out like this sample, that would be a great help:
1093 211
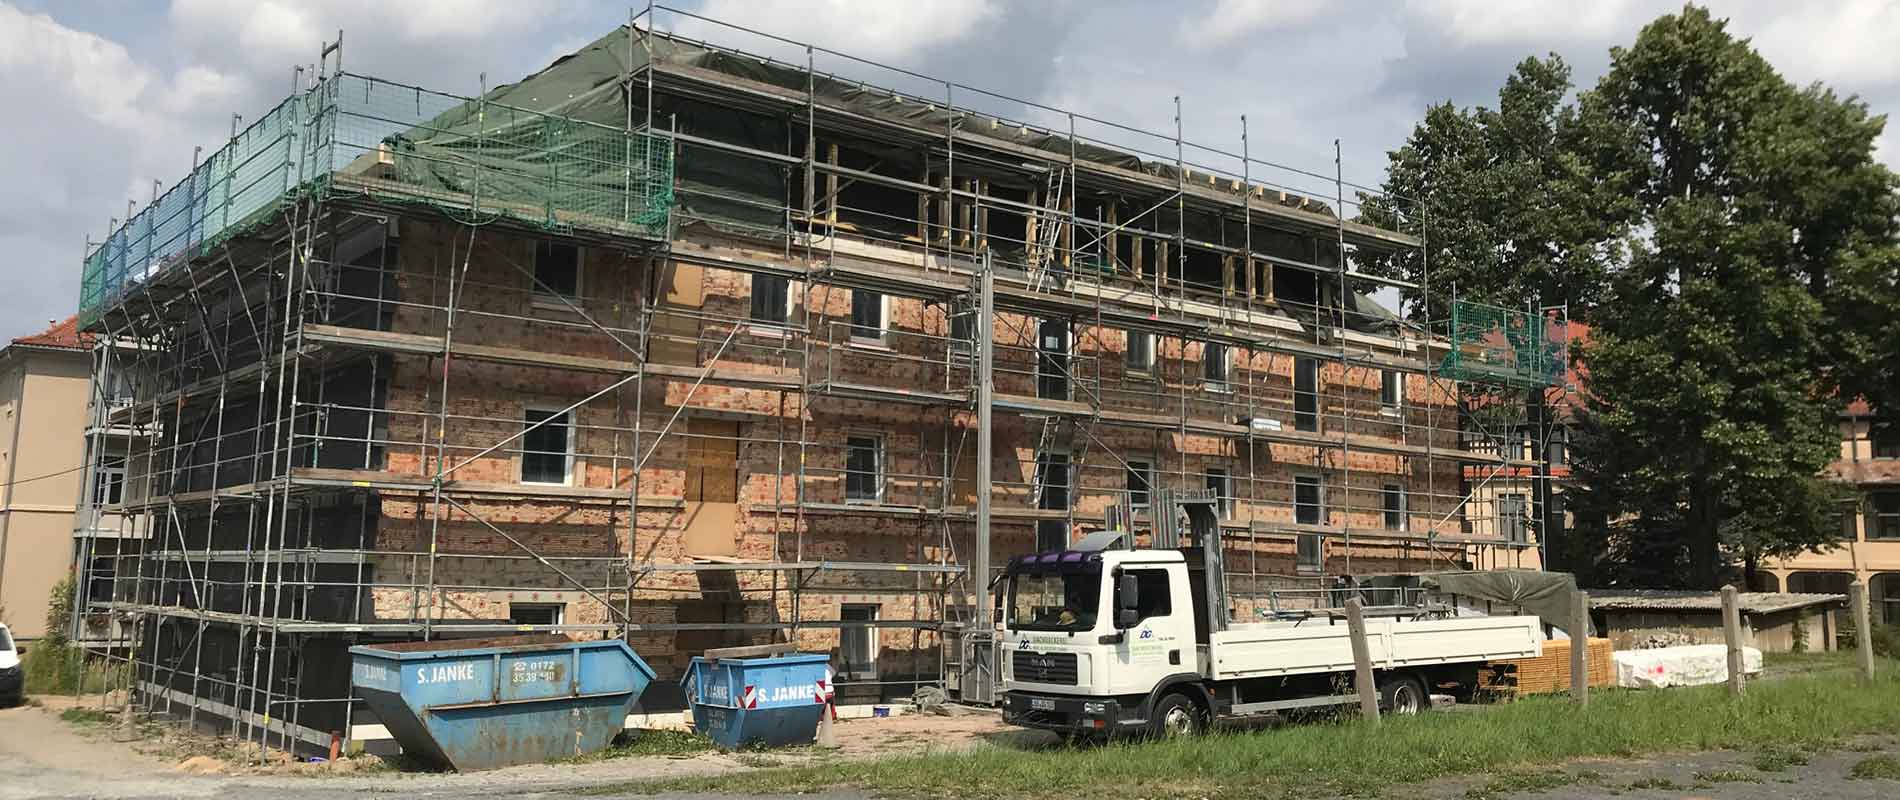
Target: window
1850 520
1214 364
771 299
962 328
867 315
1511 517
864 469
1141 351
1884 521
1884 596
1886 439
857 643
536 613
547 452
1394 506
1306 394
108 484
1153 596
1557 452
557 272
1309 555
1221 487
1308 508
1391 391
1141 483
1052 481
1052 359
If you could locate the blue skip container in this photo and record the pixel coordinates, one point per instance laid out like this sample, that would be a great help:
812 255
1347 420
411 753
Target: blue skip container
772 700
480 704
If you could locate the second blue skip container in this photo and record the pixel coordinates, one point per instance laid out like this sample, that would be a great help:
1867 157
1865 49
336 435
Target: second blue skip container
771 701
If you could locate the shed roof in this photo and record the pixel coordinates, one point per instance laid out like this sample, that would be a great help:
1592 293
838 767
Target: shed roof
1684 600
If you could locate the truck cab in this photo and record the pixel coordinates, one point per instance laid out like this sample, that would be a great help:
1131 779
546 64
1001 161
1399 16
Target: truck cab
1093 637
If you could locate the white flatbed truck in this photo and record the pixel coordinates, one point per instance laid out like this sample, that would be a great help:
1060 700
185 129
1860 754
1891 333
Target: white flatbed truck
1103 641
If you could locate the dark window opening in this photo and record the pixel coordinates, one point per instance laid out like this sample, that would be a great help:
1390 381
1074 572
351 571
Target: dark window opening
1512 513
1885 515
1052 359
1850 520
1392 390
1306 394
1052 481
1311 555
1214 365
867 314
546 450
771 299
1307 500
1140 483
1221 486
1204 271
557 270
1886 439
863 468
535 613
962 327
1141 351
1394 507
1296 286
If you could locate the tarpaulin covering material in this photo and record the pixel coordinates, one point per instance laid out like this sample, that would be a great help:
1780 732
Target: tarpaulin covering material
1545 594
1687 665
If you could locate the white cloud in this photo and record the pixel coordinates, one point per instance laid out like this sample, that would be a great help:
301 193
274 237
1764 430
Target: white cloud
881 30
1229 20
97 77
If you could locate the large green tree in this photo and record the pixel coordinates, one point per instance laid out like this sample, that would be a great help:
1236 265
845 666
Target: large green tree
1512 212
1721 348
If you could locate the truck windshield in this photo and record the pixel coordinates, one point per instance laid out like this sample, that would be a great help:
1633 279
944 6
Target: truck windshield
1055 601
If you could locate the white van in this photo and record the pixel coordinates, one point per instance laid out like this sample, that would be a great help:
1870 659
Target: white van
12 675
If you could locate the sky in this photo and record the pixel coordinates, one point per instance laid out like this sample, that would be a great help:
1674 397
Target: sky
104 97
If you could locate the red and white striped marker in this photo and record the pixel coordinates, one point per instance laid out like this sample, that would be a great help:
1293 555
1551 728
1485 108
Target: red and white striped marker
750 699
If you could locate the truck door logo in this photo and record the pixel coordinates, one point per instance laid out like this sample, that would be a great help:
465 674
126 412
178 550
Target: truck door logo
1147 634
1024 645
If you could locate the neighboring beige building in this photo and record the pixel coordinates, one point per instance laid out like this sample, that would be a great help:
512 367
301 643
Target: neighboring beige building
1869 549
43 384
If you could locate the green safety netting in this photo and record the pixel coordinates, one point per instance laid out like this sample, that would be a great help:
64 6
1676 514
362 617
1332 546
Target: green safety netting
476 159
1513 347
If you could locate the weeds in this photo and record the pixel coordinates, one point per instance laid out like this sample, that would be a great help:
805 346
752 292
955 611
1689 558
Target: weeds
648 743
1881 767
1774 719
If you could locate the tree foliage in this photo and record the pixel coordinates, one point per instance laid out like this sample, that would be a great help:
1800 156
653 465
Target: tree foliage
1731 240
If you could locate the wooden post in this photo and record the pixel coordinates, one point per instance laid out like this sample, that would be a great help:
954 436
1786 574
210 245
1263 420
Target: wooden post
1362 661
1863 639
1732 632
1580 647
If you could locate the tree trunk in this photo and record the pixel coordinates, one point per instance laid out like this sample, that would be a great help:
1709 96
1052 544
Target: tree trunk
1704 550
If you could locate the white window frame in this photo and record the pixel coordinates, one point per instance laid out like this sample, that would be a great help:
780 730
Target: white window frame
106 475
883 320
953 311
764 327
1146 365
559 609
1391 404
877 468
1226 384
852 669
540 299
521 466
1300 566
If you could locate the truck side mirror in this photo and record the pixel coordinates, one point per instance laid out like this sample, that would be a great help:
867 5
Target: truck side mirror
1127 609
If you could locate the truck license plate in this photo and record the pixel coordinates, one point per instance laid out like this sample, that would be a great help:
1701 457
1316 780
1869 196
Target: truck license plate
1041 704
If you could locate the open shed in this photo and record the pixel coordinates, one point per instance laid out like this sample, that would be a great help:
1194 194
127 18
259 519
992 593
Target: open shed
1771 621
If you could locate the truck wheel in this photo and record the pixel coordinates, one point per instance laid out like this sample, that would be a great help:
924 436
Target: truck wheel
1403 696
1176 716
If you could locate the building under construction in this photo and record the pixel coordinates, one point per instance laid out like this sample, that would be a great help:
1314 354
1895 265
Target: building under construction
698 347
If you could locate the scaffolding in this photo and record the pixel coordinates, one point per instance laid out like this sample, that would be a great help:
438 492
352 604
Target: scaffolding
992 334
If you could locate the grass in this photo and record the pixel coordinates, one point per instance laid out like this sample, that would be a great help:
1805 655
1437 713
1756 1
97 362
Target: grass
86 716
1882 767
1775 718
648 743
1777 759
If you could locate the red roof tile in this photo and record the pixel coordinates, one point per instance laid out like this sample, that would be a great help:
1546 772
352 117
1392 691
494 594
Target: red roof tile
62 334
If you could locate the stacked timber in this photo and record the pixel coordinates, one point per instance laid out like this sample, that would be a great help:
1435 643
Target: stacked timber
1550 672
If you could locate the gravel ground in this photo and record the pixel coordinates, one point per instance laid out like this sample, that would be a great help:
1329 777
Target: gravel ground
42 756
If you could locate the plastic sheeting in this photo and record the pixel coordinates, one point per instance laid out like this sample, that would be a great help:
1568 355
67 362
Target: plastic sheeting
1546 594
1688 665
